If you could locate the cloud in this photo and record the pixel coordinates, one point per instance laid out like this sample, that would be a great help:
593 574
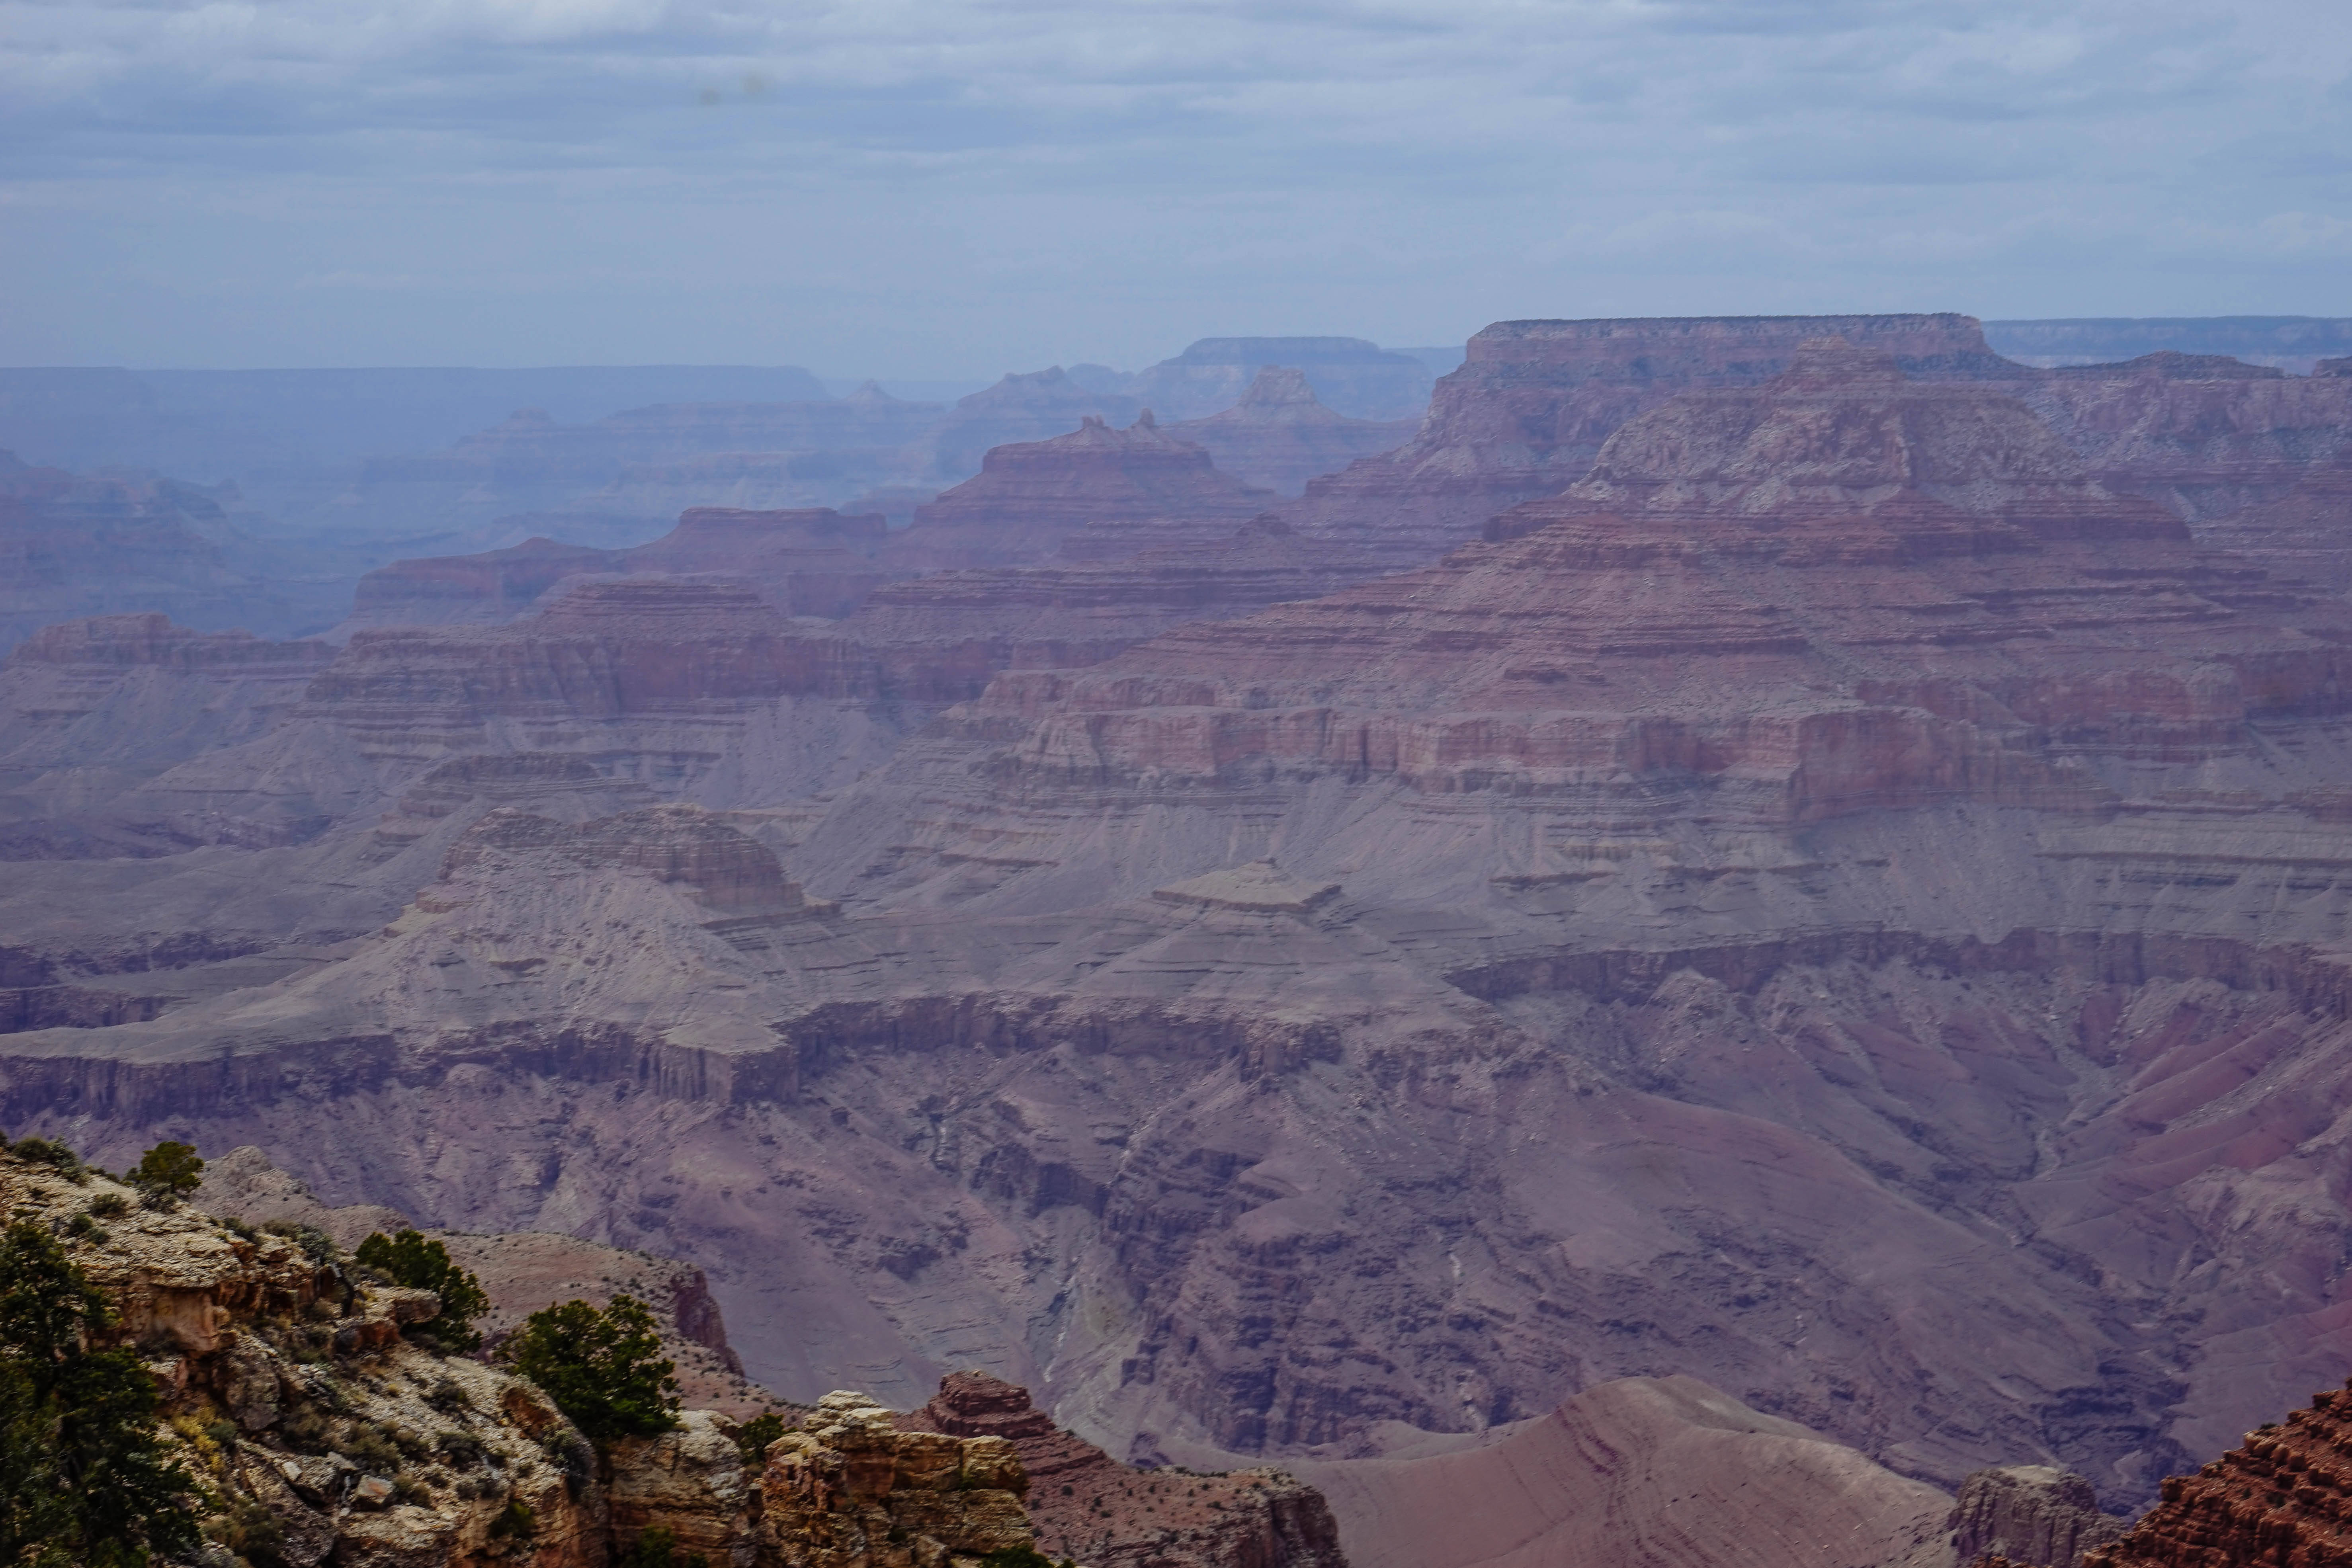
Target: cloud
956 179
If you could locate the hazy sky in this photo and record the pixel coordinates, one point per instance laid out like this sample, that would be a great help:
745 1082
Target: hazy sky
957 188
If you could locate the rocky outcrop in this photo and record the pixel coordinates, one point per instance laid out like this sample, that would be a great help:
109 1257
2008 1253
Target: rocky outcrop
1020 410
522 1272
2204 437
2029 1515
1636 1473
320 1433
723 870
2284 1497
94 711
2306 533
1085 1505
804 563
1528 412
74 546
1359 379
1094 494
1278 437
1841 519
848 1489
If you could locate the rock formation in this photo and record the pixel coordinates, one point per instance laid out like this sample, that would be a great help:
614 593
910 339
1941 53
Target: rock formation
73 547
2306 533
806 563
1277 436
2204 436
1094 494
2029 1515
850 1490
1359 379
1020 410
1638 1473
2284 1497
320 1433
94 712
1085 1505
1532 402
1844 903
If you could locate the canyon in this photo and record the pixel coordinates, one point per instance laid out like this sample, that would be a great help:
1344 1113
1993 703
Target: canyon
1755 883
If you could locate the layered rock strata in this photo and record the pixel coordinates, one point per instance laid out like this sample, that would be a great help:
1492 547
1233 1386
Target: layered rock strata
1278 437
850 1490
319 1433
2205 437
1533 401
1641 1473
1359 378
94 711
1094 494
1085 1506
2306 533
2029 1514
804 563
2284 1497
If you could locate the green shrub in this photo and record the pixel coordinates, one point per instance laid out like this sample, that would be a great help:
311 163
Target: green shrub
84 1477
109 1205
757 1434
411 1260
167 1172
604 1369
316 1243
657 1548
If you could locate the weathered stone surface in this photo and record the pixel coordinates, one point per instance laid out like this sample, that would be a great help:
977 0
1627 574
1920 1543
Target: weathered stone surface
850 1490
2284 1497
1085 1505
2029 1514
1278 437
1527 410
691 1482
1094 494
1636 1473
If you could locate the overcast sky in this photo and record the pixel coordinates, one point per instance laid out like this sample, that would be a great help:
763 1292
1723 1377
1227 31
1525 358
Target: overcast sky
958 188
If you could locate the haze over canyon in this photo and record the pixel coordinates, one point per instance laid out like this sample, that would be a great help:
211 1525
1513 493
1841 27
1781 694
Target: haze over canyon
1681 941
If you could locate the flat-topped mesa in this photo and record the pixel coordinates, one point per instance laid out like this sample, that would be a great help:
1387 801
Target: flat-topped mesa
807 562
721 869
1094 494
1527 410
1840 591
1842 435
1279 435
152 641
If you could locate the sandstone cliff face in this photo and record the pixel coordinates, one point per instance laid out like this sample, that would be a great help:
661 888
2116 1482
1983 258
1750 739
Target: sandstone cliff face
1531 404
849 1490
74 546
804 563
2205 439
92 711
1085 1505
2284 1497
1687 611
1278 436
2306 533
318 1429
2029 1514
1638 1473
1021 409
1094 494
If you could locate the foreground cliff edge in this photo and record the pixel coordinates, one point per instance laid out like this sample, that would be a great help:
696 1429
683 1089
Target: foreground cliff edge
319 1427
